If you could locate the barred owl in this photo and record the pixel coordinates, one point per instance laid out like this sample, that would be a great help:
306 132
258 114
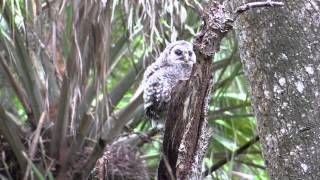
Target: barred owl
174 64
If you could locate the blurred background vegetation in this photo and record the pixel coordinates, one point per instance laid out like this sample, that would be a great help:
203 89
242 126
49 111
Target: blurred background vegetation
70 73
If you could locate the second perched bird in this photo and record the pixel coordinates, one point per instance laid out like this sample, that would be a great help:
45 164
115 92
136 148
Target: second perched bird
174 64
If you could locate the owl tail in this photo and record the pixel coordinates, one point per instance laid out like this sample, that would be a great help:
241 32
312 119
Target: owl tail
156 120
151 113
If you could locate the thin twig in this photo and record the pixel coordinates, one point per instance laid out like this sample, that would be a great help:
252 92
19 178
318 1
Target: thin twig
239 151
252 5
33 147
35 139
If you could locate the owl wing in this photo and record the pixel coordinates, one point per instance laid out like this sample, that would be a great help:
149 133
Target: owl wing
151 100
156 91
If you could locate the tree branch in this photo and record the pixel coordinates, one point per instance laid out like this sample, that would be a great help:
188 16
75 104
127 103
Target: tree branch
34 143
252 5
186 129
228 157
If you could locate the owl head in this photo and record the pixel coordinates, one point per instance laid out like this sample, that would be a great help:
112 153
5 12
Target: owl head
178 52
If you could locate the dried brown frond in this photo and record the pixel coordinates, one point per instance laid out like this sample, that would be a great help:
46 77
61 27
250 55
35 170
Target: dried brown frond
120 162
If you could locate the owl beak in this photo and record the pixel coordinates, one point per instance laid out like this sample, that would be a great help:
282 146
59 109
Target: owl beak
186 57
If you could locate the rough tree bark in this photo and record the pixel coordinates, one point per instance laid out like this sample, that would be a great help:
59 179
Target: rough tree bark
280 51
186 129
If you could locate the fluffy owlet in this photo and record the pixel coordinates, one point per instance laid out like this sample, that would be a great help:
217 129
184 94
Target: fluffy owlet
174 64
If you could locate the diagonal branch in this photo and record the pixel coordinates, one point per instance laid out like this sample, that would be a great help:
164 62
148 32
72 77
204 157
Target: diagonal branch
15 85
228 157
34 143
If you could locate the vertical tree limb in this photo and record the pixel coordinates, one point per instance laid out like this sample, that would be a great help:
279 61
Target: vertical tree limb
186 129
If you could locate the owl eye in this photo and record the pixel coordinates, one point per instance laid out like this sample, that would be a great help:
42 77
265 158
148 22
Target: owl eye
190 53
178 52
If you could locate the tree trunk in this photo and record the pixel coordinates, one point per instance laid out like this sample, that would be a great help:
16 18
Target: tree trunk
280 51
186 134
186 129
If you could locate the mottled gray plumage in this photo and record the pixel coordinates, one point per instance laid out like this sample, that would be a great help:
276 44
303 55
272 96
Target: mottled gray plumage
174 64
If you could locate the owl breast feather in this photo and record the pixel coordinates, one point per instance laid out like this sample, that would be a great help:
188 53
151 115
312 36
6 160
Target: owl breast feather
159 86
